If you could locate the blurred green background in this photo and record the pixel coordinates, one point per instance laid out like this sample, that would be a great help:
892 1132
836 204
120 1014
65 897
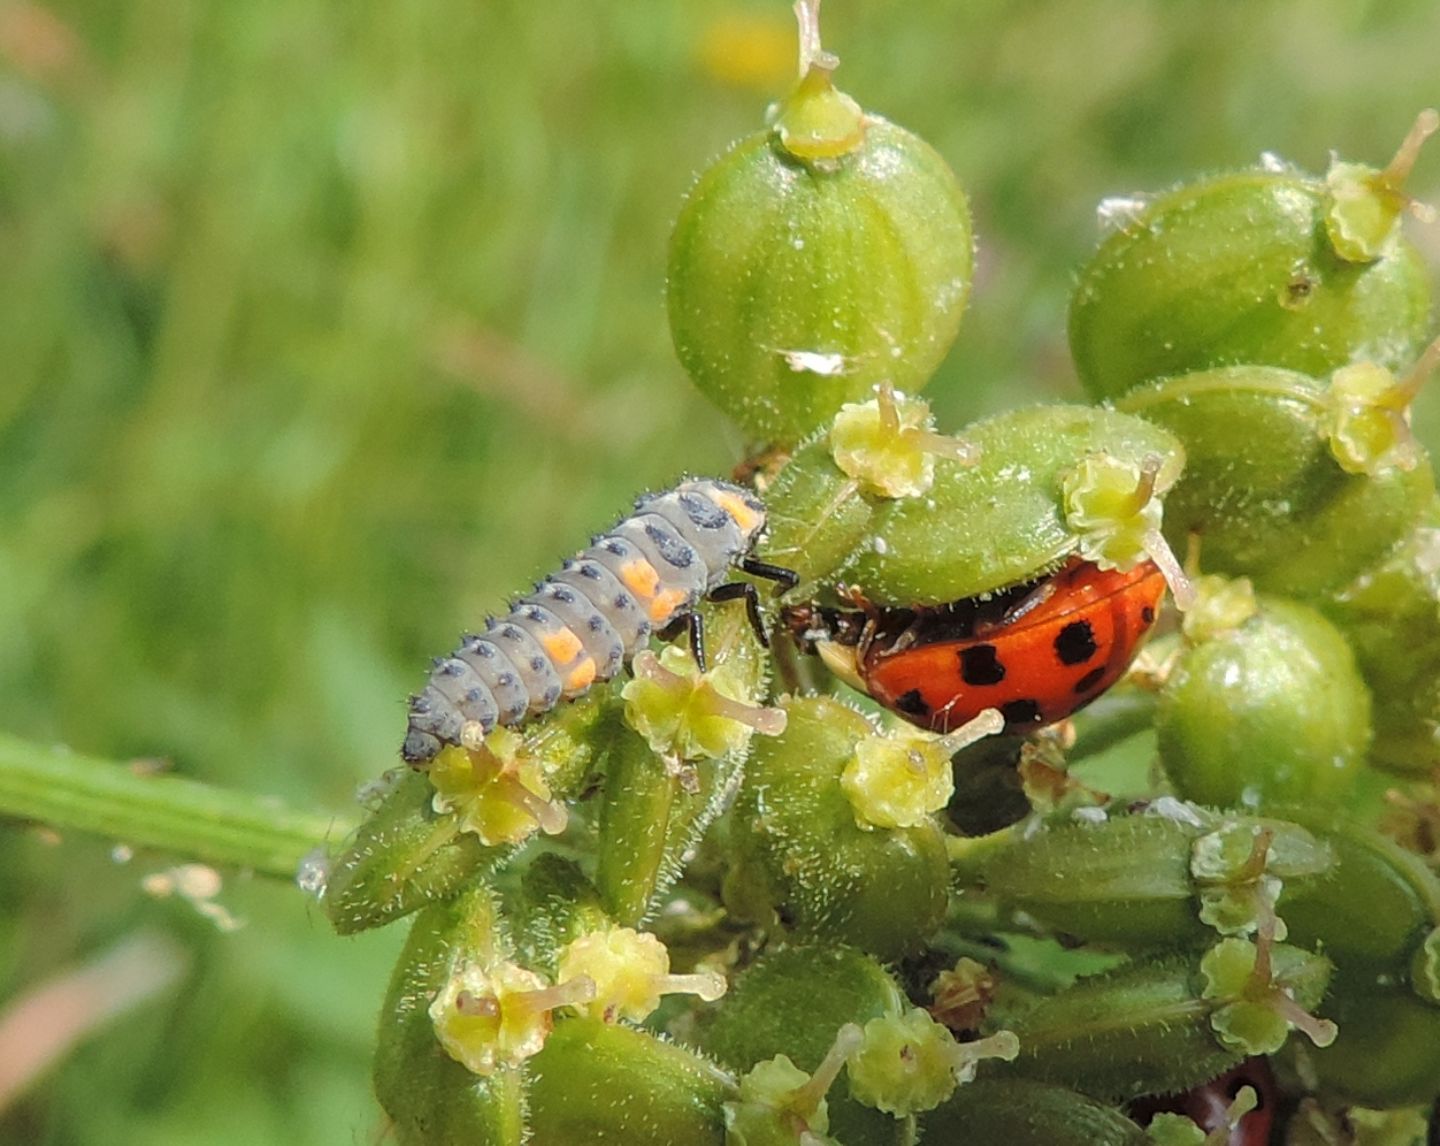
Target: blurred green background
323 327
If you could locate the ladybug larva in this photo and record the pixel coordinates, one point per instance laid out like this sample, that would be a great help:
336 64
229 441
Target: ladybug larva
584 623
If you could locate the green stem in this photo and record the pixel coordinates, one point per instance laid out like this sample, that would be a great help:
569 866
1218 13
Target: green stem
69 792
1117 716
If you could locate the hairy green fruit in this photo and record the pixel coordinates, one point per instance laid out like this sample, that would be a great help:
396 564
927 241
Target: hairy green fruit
1150 1028
1242 268
1399 594
597 1083
796 286
1378 905
430 1097
1269 710
1388 1054
802 853
1004 519
1153 881
1262 489
792 1002
1019 1112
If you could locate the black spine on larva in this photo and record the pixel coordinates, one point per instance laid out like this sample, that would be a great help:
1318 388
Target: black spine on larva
508 672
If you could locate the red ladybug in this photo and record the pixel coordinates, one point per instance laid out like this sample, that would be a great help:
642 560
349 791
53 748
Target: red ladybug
1037 651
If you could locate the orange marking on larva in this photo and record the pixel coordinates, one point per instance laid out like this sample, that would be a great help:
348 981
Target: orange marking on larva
745 517
640 577
582 676
666 605
562 646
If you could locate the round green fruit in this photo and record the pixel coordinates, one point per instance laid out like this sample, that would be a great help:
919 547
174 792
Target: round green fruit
796 285
1269 709
1268 266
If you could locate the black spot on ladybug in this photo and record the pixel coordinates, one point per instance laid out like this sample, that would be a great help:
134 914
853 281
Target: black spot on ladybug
1147 614
912 703
980 666
1021 712
1089 680
1076 643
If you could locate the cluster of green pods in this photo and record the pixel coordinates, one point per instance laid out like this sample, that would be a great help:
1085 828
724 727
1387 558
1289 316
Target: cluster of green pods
881 933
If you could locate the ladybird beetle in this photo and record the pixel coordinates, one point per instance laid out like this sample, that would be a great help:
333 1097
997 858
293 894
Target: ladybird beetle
584 623
1208 1105
1036 651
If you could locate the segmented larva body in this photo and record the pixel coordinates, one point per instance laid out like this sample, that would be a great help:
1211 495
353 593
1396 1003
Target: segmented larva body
582 624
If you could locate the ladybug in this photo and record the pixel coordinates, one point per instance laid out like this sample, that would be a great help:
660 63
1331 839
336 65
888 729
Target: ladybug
585 622
1208 1105
1036 651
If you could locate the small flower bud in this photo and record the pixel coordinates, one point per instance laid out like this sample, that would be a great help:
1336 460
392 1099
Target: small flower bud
497 790
1115 506
1362 218
888 444
909 1063
630 970
1367 415
488 1018
897 781
780 1103
691 715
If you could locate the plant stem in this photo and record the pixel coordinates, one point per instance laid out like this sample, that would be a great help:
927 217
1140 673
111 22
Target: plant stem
69 792
1114 717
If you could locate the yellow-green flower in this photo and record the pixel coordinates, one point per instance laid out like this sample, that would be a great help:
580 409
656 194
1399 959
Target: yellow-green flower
630 970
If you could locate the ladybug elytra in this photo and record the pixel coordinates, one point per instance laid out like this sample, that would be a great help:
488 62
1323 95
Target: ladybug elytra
1037 651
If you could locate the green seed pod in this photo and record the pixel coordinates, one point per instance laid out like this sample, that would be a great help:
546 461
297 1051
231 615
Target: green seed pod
1400 594
815 259
802 852
431 1098
1268 266
666 782
1270 708
1262 487
556 904
1151 1028
1388 1053
1376 907
601 1083
1155 880
816 517
1020 1112
1014 514
403 857
792 1002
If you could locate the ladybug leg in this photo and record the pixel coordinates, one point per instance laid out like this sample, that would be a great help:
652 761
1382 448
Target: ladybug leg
785 579
738 590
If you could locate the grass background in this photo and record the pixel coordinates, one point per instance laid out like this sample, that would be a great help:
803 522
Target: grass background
323 327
